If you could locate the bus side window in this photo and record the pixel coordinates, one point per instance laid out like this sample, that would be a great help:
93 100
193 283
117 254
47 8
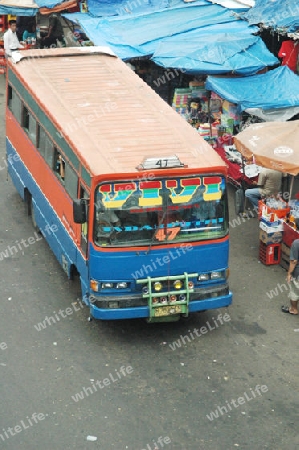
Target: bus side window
71 181
9 97
45 146
59 164
29 124
16 105
25 118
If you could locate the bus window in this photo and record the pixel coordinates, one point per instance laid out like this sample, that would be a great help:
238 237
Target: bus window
70 181
16 105
25 119
9 96
141 221
59 165
45 146
29 124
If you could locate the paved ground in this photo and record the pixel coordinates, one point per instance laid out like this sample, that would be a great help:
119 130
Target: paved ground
166 393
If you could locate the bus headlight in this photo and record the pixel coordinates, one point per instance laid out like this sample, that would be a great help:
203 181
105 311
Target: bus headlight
158 286
216 275
107 285
203 277
177 284
122 285
190 284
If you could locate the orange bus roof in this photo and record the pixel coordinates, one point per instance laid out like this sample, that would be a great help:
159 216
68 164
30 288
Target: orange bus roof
110 116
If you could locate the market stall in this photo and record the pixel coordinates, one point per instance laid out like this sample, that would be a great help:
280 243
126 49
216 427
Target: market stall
274 145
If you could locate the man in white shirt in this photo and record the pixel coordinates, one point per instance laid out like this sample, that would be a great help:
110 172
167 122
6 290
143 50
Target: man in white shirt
11 41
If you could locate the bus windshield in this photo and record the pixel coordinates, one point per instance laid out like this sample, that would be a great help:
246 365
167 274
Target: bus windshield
139 213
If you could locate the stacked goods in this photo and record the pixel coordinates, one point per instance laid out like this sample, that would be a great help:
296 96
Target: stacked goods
271 230
3 28
180 100
2 61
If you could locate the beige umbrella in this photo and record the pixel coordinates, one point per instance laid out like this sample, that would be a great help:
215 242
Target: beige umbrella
274 145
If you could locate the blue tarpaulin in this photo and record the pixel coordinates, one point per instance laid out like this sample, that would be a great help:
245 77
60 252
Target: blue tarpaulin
278 14
25 8
105 8
276 89
18 7
48 3
196 38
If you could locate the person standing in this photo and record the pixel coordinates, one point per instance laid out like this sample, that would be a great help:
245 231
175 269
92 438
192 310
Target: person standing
11 41
268 183
293 279
55 32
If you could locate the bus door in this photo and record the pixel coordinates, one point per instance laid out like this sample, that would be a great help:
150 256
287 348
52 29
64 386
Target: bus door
84 226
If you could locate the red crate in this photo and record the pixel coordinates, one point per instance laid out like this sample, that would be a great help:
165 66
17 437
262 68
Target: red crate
280 213
270 254
289 234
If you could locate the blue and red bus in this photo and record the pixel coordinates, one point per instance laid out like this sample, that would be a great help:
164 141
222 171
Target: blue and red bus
135 200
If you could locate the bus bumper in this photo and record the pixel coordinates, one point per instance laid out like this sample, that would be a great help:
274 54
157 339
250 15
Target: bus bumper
144 311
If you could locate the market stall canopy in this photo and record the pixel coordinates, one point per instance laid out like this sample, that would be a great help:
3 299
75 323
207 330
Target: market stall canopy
273 146
18 7
196 38
30 7
280 15
58 7
271 96
106 8
236 5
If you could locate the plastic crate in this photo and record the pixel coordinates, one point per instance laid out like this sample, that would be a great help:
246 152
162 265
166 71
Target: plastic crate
280 213
270 254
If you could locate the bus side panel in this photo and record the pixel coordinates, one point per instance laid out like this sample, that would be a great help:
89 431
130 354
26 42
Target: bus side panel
52 228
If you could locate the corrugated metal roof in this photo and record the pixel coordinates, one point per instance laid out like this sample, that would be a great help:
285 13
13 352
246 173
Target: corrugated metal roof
110 115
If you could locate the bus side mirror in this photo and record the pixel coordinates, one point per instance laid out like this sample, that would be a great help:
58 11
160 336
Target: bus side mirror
79 211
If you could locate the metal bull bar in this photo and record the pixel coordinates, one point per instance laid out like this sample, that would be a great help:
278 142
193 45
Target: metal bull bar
170 310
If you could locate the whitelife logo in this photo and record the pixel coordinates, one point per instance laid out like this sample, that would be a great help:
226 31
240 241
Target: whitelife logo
258 390
121 373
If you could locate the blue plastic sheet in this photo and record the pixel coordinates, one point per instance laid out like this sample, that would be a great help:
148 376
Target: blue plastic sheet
18 11
199 39
278 14
105 8
278 88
